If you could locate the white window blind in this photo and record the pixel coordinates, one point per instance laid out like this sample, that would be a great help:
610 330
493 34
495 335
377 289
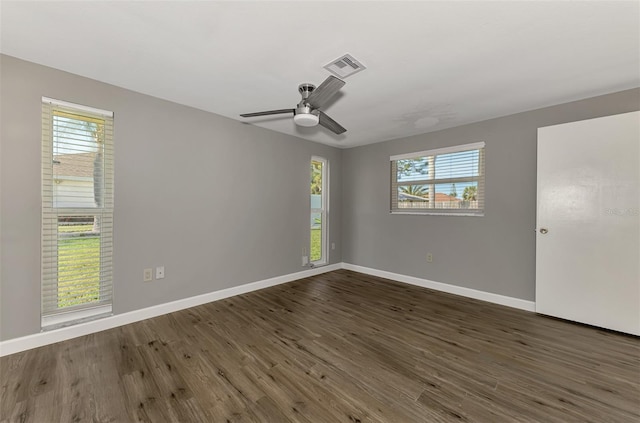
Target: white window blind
441 181
77 212
318 251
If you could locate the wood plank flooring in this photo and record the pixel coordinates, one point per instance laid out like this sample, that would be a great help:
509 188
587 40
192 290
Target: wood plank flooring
338 347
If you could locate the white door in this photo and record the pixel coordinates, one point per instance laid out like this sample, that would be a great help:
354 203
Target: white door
588 222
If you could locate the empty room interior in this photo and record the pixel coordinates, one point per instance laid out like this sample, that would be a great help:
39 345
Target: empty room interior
323 211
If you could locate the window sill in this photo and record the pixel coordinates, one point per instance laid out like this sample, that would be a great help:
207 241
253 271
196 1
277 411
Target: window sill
425 213
57 321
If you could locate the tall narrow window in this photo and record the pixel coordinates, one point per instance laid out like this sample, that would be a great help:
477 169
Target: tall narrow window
319 194
77 212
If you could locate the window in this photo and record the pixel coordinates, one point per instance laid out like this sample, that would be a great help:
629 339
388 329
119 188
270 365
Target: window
319 190
77 213
443 181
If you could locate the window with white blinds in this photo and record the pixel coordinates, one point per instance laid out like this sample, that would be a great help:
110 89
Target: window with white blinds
446 181
77 213
318 250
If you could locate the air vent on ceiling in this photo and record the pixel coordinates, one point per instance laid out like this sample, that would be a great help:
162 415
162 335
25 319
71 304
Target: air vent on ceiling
344 66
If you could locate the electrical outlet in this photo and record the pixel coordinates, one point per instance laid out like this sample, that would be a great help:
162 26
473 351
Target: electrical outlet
333 245
305 260
429 258
160 272
148 275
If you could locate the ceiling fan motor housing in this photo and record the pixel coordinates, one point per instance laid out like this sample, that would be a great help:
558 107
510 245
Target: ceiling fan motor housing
306 89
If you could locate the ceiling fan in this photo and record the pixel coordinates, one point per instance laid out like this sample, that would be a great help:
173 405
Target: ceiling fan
307 112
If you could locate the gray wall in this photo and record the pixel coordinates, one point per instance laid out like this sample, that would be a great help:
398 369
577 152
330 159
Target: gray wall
217 202
494 253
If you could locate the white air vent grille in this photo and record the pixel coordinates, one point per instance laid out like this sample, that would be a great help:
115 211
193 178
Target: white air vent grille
344 66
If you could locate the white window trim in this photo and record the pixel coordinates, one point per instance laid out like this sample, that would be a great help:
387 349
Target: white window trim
56 321
324 213
435 213
435 152
80 107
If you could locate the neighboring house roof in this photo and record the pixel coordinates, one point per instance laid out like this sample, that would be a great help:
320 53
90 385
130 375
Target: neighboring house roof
440 197
444 198
411 197
78 165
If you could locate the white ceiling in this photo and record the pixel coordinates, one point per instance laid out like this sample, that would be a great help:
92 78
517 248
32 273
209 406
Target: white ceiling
430 65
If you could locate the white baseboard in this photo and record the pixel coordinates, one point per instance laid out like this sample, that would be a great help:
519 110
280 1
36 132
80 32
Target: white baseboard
444 287
24 343
15 345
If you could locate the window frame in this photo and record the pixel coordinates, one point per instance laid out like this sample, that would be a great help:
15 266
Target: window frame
323 211
53 317
433 181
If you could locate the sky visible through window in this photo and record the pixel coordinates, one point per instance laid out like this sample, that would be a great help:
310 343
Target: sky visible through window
72 136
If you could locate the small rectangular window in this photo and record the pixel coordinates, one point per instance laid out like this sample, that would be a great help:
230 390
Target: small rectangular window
442 181
77 212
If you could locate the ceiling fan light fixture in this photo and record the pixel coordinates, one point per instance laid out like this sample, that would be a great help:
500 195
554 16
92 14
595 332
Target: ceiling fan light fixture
306 119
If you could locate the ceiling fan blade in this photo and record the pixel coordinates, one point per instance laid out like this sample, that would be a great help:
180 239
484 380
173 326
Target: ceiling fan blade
330 124
324 92
269 112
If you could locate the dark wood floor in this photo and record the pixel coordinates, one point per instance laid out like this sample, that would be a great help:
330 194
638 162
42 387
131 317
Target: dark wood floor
339 347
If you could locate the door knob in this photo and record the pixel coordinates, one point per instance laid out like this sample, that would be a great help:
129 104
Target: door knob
544 231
